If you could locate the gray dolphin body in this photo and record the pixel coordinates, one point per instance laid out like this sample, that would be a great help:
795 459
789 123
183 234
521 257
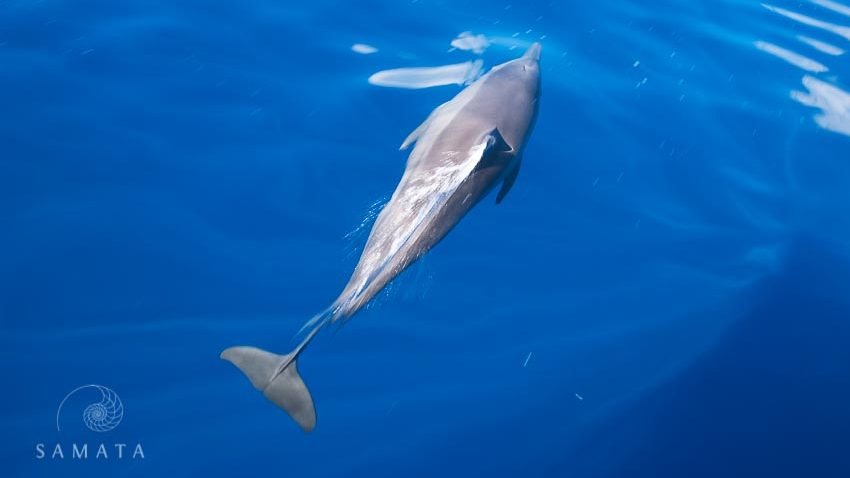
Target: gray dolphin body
466 147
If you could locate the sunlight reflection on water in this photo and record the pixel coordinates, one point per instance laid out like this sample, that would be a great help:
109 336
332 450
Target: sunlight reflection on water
821 46
795 59
833 102
823 94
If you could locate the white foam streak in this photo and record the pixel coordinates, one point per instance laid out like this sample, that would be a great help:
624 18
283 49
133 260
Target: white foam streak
812 22
363 49
834 6
426 77
833 102
795 59
822 47
468 42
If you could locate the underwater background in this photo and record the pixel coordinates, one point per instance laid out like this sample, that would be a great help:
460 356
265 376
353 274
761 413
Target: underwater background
665 292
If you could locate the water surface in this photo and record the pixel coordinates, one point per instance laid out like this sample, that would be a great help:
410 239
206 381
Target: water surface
663 293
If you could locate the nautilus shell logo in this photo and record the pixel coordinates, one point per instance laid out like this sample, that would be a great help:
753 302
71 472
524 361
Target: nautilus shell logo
100 416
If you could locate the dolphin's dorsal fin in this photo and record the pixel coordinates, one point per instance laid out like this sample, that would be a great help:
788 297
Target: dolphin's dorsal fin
498 153
496 150
496 143
510 179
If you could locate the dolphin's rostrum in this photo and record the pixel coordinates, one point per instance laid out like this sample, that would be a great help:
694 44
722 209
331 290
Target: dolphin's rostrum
466 147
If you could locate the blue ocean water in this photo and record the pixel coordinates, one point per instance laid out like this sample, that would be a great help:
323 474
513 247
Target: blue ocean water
665 291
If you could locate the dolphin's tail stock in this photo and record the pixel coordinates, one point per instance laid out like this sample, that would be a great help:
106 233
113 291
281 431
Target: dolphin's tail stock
277 375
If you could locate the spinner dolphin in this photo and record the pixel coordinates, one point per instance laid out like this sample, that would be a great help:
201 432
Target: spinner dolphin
463 150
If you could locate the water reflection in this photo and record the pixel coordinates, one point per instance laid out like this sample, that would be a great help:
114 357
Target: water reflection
363 49
823 94
821 46
469 42
795 59
833 102
426 77
455 74
834 6
840 30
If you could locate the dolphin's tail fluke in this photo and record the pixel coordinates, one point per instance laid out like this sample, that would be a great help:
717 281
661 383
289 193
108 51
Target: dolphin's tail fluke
277 377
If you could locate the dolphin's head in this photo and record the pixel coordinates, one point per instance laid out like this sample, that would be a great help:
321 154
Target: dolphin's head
524 70
530 61
533 53
513 90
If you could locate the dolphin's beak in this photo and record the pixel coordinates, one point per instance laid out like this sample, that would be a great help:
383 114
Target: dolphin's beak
533 52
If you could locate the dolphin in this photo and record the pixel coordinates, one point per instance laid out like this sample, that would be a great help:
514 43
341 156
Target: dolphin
465 148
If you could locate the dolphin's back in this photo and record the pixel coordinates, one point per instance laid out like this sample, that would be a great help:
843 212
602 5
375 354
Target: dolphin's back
443 177
449 145
446 127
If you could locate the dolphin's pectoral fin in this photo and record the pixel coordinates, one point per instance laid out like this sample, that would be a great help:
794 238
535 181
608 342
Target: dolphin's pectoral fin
510 179
415 134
